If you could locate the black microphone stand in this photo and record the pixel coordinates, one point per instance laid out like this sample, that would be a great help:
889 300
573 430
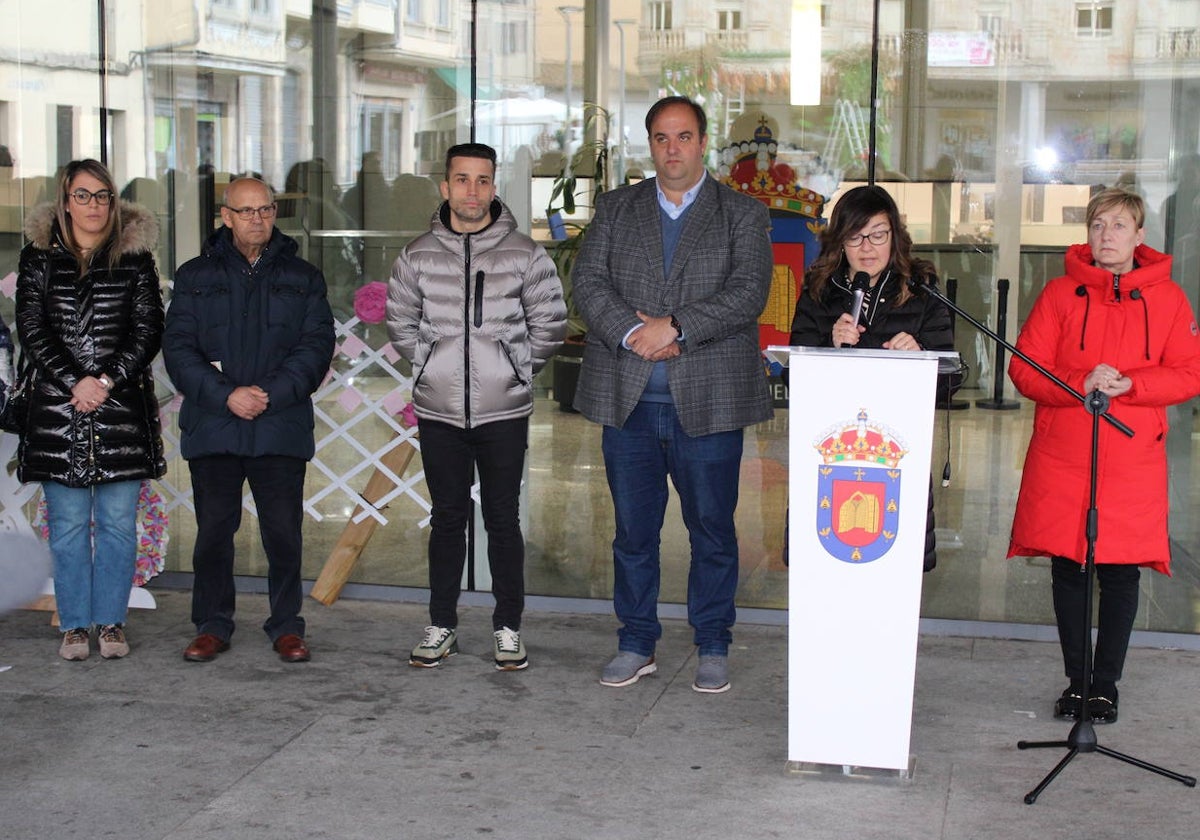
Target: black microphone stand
1082 738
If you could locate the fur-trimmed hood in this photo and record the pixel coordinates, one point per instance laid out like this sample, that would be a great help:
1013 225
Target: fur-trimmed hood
139 228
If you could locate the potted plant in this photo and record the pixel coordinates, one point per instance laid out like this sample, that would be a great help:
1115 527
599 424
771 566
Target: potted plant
590 162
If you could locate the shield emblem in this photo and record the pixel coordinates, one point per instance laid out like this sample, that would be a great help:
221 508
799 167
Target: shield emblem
858 512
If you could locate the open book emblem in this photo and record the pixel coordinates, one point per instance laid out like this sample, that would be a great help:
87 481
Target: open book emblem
858 490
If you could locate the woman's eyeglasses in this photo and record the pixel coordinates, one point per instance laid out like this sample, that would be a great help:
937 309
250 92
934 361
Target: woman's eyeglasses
876 237
83 198
267 211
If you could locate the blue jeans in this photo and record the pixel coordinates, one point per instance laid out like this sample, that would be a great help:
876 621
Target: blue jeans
93 539
638 458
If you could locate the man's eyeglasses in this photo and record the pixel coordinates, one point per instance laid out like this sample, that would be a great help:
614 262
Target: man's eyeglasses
84 198
267 211
877 237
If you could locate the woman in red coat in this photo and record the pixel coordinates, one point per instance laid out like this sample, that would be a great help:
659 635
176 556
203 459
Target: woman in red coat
1118 324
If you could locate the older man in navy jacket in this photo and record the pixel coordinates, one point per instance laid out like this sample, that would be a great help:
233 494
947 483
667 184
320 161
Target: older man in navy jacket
249 338
671 280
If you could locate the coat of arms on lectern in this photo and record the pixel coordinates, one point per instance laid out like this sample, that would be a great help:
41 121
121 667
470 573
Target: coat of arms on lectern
858 489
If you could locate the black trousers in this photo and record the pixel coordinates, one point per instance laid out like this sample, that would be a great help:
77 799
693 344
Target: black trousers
497 451
277 485
1118 584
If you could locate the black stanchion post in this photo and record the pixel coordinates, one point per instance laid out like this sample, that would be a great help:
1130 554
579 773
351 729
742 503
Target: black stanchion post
997 402
949 403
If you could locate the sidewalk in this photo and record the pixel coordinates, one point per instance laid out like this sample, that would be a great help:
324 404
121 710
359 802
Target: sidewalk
356 744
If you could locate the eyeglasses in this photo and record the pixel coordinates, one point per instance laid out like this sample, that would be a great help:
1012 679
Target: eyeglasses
877 237
267 211
84 198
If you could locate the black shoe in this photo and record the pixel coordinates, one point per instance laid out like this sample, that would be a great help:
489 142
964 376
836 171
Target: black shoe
1102 709
1069 706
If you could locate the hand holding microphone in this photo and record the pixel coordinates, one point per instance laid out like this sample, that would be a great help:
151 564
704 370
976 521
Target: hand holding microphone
848 327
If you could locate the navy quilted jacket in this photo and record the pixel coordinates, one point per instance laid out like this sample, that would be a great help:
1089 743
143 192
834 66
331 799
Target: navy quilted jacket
231 324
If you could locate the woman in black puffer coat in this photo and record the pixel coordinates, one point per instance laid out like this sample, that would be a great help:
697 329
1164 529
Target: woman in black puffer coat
867 239
89 316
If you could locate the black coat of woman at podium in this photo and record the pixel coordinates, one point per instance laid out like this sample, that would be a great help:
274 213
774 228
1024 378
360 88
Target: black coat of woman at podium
867 251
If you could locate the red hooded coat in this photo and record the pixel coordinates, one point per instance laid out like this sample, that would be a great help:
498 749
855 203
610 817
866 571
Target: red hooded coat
1146 331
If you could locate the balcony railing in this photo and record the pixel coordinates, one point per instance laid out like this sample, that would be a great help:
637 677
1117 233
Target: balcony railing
660 40
729 39
1177 45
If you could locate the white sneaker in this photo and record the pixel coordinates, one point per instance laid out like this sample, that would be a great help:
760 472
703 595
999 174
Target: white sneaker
510 651
439 643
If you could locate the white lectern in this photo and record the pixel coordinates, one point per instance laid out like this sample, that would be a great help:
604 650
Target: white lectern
861 428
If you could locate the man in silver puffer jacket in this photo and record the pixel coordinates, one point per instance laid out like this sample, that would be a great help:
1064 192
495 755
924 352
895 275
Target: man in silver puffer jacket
477 307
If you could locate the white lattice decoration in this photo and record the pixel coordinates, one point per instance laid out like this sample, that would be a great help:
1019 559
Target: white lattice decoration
358 411
13 494
382 396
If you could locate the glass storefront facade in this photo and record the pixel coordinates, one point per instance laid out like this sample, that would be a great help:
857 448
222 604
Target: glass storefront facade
991 122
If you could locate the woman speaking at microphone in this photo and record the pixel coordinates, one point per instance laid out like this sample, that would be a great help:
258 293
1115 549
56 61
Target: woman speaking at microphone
1115 323
866 241
865 249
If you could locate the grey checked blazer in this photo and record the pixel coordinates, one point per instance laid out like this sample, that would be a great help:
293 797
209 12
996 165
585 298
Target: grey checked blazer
720 278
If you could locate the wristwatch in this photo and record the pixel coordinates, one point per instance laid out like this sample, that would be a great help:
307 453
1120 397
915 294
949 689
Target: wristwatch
106 382
678 328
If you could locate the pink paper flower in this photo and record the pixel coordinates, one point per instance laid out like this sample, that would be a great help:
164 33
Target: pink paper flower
370 302
408 416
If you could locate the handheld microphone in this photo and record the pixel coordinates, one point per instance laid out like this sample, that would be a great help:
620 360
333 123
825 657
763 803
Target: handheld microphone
859 286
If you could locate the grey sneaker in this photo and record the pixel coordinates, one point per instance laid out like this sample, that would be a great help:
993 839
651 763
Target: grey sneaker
112 641
510 651
75 644
626 668
712 675
439 643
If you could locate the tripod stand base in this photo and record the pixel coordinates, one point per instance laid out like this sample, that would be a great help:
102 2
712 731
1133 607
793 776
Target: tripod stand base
1083 740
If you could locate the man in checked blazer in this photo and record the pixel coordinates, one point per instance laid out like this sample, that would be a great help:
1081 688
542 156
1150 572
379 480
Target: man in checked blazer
671 280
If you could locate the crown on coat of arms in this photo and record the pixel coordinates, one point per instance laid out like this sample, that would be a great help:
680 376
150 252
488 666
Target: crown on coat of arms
861 441
750 165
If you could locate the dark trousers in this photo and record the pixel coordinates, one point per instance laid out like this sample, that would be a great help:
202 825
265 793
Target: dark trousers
497 451
277 485
1118 608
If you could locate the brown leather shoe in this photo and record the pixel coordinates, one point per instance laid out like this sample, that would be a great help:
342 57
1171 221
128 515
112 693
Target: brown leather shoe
205 647
291 648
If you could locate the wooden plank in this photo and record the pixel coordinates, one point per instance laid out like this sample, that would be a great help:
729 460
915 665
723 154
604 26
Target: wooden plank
356 535
44 602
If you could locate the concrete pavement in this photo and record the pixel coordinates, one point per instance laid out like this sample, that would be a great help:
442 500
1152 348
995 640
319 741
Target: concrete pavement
356 744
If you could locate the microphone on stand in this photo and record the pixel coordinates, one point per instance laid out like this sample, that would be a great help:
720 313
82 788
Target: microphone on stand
859 286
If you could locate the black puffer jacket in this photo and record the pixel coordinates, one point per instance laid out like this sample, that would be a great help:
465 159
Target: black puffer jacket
232 324
110 321
924 317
